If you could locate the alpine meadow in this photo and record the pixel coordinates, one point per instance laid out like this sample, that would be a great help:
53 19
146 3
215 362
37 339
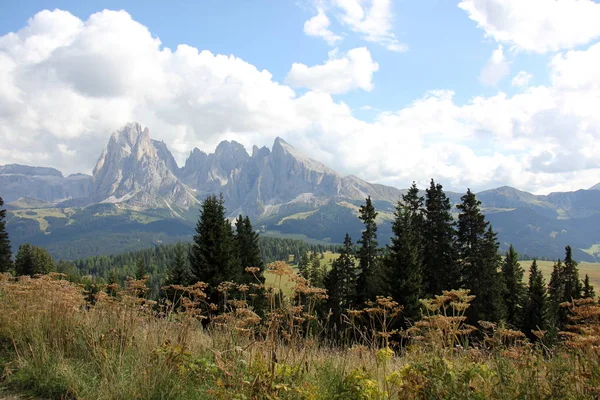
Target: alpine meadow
320 199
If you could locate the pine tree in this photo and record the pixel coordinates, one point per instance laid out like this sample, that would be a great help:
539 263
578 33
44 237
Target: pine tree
304 265
32 260
440 265
556 290
341 281
140 269
213 257
315 274
572 284
246 241
588 289
536 307
5 252
479 261
178 273
514 289
368 280
405 256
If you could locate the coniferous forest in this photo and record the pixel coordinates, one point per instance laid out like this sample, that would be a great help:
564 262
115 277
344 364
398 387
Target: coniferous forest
436 313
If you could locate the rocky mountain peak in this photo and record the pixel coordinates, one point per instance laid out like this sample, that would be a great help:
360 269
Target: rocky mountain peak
137 170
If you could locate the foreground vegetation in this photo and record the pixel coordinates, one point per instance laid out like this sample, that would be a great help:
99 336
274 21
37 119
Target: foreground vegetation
57 341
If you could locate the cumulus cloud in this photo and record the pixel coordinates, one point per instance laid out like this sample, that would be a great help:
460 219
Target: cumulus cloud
58 109
496 68
372 19
318 26
339 74
521 79
538 26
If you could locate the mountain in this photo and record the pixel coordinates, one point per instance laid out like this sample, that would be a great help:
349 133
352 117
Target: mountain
138 172
45 184
138 196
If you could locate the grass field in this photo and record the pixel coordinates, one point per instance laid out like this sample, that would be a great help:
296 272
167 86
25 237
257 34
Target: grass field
285 283
591 269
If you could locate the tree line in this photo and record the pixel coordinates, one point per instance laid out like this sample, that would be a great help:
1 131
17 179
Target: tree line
430 252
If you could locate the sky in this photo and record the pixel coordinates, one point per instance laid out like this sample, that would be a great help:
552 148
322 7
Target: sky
472 93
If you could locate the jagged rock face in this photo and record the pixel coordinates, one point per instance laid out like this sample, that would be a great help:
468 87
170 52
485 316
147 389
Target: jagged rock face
136 170
46 184
211 173
267 180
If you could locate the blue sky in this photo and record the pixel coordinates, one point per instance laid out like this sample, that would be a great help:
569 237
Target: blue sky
433 81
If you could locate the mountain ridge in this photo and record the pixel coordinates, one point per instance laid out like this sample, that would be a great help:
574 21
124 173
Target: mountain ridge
137 183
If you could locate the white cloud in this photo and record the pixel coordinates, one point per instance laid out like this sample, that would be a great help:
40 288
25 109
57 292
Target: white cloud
339 74
318 26
538 26
496 68
521 79
57 108
372 19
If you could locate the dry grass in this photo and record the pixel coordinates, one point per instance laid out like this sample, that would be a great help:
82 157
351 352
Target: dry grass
55 344
591 269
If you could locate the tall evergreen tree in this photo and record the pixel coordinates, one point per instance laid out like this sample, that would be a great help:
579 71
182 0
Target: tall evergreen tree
213 257
588 289
5 252
316 271
514 289
405 256
572 284
304 265
178 273
536 307
32 260
341 281
556 290
246 241
368 279
140 269
440 264
479 259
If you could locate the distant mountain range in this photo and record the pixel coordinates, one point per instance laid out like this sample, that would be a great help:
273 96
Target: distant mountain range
138 196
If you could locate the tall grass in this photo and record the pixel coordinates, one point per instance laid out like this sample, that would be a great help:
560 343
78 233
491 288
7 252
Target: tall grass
55 344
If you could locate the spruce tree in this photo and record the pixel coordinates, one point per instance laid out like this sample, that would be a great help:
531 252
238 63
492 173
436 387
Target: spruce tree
316 273
178 273
5 251
32 260
556 290
479 261
514 289
536 307
213 257
341 281
368 278
304 265
140 269
588 289
440 266
572 284
405 256
246 241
